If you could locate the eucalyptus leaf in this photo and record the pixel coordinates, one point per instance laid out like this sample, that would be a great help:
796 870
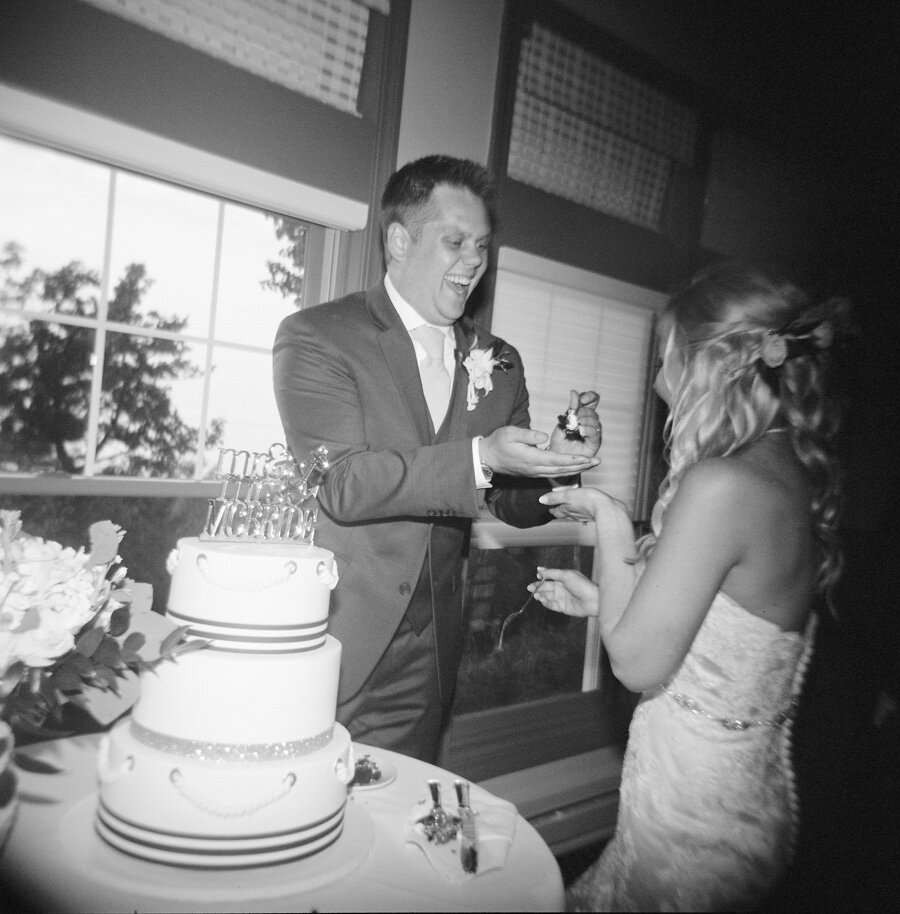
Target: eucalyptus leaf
67 679
131 658
108 652
119 620
188 647
172 639
88 642
135 641
109 677
79 662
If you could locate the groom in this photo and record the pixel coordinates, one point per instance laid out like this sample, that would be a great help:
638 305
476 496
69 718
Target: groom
417 443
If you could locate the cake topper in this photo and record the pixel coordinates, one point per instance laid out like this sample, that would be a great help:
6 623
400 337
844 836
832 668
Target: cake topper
266 496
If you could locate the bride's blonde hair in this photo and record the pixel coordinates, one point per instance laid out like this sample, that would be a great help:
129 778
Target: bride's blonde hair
753 353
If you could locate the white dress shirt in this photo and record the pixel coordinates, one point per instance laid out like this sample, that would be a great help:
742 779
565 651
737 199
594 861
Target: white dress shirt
412 319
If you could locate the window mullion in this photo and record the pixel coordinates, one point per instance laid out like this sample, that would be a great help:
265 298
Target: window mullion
98 359
200 462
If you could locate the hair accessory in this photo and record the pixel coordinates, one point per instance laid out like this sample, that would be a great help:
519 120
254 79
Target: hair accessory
780 345
774 349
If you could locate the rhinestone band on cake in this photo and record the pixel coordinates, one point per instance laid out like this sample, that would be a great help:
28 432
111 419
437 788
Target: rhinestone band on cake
229 752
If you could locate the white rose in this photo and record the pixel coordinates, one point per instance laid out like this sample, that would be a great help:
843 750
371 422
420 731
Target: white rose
42 646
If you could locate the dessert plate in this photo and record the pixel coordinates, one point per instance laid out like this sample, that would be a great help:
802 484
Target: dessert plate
386 769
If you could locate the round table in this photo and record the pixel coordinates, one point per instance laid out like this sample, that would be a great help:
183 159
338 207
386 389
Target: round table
55 861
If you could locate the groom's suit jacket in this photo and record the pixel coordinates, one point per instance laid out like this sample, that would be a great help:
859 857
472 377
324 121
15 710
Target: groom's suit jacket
397 502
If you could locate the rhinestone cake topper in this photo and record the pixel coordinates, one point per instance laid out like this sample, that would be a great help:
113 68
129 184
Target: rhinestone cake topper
265 497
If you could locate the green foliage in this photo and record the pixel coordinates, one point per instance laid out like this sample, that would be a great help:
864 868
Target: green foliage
287 275
543 652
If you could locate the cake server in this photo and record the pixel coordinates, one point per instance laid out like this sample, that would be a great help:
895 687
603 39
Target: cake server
438 824
468 840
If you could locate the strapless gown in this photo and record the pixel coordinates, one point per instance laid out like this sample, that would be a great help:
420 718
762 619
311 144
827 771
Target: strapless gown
707 806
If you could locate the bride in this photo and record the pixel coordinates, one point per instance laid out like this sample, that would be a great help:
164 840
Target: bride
711 616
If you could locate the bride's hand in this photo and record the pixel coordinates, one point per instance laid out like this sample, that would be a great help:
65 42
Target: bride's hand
566 591
574 504
586 504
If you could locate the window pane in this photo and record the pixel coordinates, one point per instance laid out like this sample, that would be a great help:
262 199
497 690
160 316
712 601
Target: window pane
53 205
241 394
543 651
45 381
171 233
248 308
196 272
150 410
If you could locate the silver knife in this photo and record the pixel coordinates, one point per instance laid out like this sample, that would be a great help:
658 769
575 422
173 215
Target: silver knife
468 841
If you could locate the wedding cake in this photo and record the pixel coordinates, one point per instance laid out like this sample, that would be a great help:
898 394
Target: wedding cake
232 756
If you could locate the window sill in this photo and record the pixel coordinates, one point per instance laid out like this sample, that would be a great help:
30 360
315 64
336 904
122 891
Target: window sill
572 802
106 486
490 533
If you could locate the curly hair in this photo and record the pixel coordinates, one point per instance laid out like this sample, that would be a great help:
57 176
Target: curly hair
753 352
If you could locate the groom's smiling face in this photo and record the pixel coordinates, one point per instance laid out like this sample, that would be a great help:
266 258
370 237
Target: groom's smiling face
437 262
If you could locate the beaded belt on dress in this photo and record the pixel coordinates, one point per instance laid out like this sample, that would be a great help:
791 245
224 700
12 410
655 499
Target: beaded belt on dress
730 723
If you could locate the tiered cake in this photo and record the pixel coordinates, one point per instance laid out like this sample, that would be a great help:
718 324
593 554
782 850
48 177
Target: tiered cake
232 756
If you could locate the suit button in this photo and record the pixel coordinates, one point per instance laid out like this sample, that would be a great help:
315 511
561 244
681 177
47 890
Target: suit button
405 589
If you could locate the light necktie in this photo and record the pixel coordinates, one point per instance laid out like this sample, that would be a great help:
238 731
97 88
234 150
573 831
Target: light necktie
435 379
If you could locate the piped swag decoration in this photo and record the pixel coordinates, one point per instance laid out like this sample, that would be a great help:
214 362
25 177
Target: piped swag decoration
480 364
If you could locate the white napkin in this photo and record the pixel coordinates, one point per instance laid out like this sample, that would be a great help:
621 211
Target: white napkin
495 826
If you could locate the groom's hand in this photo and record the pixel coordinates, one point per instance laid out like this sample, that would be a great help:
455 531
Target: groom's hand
520 452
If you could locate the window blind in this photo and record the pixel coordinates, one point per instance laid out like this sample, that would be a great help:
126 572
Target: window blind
579 331
316 47
587 131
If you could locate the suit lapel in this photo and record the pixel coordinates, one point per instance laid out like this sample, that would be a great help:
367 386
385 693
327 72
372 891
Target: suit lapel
400 357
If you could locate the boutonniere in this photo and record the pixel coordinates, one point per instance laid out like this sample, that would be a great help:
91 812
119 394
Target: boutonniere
480 364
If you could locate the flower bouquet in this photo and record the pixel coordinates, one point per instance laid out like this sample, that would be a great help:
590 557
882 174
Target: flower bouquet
69 622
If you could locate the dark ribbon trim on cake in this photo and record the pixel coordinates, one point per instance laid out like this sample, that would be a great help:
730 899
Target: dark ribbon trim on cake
235 637
194 620
229 752
212 852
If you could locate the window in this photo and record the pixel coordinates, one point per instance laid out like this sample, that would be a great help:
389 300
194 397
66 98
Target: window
316 47
548 694
600 153
137 318
589 131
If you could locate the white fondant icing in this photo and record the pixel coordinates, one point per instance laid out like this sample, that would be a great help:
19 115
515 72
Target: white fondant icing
232 756
300 598
242 698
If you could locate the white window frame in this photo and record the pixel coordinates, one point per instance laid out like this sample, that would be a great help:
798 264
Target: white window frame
33 118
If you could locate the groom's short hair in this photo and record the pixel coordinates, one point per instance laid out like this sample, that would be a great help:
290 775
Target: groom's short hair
408 191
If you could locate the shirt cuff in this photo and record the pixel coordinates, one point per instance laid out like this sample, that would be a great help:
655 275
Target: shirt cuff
481 481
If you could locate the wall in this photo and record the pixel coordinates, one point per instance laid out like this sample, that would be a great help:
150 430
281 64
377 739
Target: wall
451 71
80 56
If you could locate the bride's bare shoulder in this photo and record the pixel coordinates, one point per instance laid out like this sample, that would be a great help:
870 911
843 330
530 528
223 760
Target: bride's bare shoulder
735 481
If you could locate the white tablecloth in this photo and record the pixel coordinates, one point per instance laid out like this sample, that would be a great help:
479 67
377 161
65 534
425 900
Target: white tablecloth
56 861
